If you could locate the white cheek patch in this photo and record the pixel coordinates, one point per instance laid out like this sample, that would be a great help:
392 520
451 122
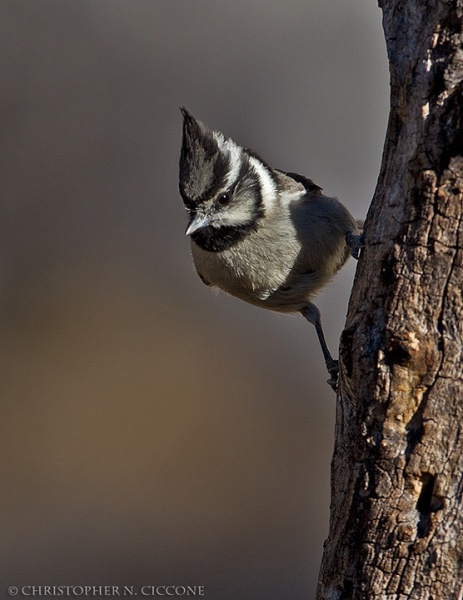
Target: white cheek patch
237 216
267 184
234 154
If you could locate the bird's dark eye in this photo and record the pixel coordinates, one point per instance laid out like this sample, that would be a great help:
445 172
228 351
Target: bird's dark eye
224 199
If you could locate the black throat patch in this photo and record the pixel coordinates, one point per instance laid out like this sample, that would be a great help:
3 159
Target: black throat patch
214 239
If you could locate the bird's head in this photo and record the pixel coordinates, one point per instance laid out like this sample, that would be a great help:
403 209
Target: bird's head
226 189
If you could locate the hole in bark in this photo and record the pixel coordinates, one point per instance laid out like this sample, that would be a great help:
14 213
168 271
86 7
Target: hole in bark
396 352
423 504
427 503
414 431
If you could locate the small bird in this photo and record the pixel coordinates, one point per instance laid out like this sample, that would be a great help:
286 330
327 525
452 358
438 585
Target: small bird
266 236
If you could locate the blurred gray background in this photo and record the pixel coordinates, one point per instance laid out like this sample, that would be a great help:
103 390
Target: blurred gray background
152 431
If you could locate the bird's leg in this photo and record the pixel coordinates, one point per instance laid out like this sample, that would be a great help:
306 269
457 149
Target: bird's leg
312 314
355 243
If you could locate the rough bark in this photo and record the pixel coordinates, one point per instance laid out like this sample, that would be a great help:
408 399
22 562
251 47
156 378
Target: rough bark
396 527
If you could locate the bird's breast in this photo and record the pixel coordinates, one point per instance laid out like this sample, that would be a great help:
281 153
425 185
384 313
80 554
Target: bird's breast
248 270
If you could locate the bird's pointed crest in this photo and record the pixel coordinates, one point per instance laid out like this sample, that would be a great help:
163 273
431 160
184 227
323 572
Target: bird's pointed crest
209 162
200 158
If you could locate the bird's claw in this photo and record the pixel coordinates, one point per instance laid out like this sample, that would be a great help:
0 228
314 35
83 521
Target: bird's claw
333 370
355 243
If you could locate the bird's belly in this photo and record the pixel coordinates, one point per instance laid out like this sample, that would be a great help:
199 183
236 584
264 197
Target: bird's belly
238 278
258 279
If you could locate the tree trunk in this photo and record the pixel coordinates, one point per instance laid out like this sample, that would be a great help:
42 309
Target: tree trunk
396 527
